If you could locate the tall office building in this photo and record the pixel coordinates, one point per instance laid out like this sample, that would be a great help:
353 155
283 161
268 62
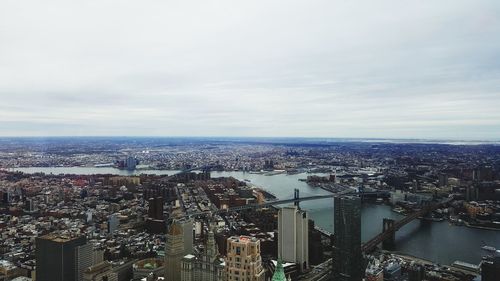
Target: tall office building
155 210
174 251
205 266
347 256
61 257
188 234
243 261
84 259
293 236
155 222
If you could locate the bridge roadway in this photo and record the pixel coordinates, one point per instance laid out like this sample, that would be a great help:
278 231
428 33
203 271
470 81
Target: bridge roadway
391 230
285 201
207 167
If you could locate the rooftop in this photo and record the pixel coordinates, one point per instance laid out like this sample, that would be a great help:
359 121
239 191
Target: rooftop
61 237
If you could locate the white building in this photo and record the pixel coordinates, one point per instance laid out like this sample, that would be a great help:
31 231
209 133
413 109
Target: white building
293 236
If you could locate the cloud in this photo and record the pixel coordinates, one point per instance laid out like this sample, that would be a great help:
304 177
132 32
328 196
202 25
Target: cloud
421 69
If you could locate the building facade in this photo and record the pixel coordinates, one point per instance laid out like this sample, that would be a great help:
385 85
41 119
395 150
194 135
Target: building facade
175 250
99 272
148 267
188 235
293 236
203 267
61 257
113 223
243 261
348 264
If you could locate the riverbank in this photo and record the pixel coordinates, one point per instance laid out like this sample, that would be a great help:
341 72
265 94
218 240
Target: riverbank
481 227
426 262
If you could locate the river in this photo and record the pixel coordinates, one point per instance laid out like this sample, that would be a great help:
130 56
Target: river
440 242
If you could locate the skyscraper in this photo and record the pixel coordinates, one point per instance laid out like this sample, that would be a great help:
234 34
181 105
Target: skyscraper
243 261
130 163
61 257
347 256
84 259
188 235
293 236
155 210
174 251
179 243
155 222
205 266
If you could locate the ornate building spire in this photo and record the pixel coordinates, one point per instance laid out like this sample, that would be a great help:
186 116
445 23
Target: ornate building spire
212 250
279 273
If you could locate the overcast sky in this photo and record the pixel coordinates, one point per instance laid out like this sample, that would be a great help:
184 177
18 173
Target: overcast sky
387 69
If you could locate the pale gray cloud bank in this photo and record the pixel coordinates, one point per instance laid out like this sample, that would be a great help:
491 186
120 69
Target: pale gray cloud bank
389 69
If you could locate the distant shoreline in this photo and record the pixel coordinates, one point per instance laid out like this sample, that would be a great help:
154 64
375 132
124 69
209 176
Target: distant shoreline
273 140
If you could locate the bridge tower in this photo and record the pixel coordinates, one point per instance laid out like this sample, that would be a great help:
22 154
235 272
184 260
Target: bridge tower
296 197
361 191
390 241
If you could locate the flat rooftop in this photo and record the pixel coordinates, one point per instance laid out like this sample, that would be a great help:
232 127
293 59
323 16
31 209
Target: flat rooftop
61 237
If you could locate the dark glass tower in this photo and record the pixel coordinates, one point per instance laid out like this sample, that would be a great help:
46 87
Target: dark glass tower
58 257
155 210
347 257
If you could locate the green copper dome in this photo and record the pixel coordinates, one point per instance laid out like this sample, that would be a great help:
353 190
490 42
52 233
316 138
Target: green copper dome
279 273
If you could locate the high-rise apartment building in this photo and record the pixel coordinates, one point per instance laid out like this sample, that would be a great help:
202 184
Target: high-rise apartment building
293 236
347 256
243 261
62 257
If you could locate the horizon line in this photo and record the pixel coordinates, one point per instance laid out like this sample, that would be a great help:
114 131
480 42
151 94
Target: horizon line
414 139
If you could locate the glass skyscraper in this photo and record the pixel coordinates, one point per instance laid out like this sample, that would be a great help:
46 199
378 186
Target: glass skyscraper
347 256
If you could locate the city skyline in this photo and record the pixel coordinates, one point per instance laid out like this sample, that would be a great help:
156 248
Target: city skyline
208 209
421 70
325 140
